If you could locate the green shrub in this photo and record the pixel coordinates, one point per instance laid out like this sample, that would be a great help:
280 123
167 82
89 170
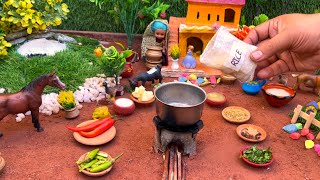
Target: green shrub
86 16
32 15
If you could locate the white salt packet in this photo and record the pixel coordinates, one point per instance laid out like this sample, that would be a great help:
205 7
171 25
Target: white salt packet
229 54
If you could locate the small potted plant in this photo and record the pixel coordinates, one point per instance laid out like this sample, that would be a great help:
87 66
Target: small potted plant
67 101
175 54
112 62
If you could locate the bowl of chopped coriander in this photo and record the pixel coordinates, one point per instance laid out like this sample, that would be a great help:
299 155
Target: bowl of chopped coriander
257 156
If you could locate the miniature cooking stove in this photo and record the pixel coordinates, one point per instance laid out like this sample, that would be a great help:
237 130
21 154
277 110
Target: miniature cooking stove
184 136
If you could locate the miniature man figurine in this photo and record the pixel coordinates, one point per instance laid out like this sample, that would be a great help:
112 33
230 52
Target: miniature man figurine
156 34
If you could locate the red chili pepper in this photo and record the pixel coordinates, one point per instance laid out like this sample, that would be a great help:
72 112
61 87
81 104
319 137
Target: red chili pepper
90 126
99 130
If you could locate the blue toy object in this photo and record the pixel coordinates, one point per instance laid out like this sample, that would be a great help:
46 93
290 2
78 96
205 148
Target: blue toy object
253 87
189 61
290 128
182 79
200 80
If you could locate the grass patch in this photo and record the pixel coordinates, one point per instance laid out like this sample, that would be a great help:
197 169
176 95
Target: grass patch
73 66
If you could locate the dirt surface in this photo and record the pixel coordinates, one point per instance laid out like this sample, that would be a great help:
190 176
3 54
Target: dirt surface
52 154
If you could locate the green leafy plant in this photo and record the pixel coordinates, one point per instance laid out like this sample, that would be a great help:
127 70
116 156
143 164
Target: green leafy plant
32 15
124 12
256 155
154 11
175 51
260 19
242 21
112 62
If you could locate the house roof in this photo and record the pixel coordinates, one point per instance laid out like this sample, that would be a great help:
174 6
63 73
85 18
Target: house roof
232 2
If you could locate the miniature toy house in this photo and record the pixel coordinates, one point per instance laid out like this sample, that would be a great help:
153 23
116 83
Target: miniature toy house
201 16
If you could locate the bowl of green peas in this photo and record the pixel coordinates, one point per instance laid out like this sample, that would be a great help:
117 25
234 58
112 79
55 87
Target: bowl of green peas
96 163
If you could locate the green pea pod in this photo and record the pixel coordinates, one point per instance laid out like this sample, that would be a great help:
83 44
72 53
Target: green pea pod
88 165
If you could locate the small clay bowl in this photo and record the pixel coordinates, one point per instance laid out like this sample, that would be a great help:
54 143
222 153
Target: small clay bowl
142 102
278 95
227 79
252 163
123 106
97 174
216 99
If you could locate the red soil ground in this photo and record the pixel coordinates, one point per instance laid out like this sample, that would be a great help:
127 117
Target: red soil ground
52 154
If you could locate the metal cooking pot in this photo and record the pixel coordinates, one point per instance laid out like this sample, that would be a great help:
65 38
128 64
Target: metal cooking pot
179 104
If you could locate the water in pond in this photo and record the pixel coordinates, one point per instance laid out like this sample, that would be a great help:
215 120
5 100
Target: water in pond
178 104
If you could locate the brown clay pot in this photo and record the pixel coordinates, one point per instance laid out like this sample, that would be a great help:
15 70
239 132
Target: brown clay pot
154 54
72 113
128 70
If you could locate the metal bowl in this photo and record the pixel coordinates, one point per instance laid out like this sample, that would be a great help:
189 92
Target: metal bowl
179 104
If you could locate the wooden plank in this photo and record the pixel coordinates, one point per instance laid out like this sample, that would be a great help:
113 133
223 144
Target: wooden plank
304 115
316 123
318 136
179 165
184 170
175 166
171 164
296 111
166 165
309 120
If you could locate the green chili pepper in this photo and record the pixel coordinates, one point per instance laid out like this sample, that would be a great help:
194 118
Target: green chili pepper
105 165
88 165
89 156
101 158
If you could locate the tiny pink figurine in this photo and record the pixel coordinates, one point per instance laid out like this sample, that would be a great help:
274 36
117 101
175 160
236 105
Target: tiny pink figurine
29 98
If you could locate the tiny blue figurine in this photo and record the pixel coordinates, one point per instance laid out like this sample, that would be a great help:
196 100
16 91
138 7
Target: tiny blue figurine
189 61
253 87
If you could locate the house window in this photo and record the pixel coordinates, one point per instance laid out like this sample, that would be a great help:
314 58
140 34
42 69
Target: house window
198 15
209 17
229 15
218 17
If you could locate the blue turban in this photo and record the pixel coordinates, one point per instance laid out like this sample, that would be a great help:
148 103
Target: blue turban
158 25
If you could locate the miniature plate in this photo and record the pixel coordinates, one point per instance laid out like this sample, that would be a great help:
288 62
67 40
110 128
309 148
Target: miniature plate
236 114
97 174
142 102
261 133
252 163
103 138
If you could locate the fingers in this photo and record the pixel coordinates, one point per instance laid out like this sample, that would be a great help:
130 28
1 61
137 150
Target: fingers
277 44
276 68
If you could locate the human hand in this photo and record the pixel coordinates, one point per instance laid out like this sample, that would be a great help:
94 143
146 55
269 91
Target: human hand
286 43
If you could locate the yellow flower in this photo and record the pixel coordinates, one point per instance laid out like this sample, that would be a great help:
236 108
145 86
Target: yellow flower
57 21
66 99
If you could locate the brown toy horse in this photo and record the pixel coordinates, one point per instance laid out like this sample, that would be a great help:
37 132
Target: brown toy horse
29 98
310 81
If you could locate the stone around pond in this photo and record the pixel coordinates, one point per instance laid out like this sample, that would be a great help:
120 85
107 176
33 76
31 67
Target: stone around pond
41 47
